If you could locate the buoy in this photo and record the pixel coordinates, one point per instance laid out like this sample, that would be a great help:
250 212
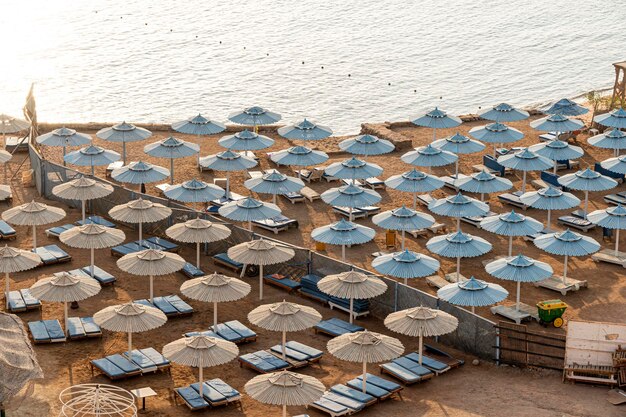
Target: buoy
220 42
322 67
302 62
388 83
349 75
415 91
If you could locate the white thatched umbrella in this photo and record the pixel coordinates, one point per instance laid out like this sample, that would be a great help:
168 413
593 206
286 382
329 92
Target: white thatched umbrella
140 211
65 288
200 352
366 347
82 189
92 236
97 400
130 318
33 214
151 262
285 388
421 322
284 317
352 285
198 231
260 252
15 260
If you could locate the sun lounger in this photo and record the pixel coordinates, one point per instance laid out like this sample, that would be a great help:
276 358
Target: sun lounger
298 355
345 211
115 367
370 210
113 166
224 260
310 175
309 289
314 354
263 362
294 198
494 167
375 183
328 178
512 200
475 220
82 327
126 248
552 179
57 230
443 356
425 199
374 390
52 254
46 331
164 243
148 360
357 183
576 223
616 199
276 224
6 231
617 177
223 200
96 220
336 327
337 405
216 392
357 395
191 271
450 181
192 399
170 305
22 300
14 144
407 371
235 332
434 365
99 274
310 194
383 383
506 151
282 281
208 333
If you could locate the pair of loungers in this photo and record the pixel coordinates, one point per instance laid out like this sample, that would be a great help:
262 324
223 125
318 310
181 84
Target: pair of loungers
170 305
50 331
309 289
372 182
6 231
233 331
336 327
52 254
282 281
139 245
192 271
215 393
99 274
357 213
616 199
513 199
57 230
276 224
297 355
222 259
475 220
22 300
139 362
214 205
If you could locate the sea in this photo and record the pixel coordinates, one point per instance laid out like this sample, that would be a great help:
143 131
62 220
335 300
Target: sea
338 62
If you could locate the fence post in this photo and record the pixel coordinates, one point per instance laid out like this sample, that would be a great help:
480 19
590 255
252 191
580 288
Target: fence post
497 346
395 297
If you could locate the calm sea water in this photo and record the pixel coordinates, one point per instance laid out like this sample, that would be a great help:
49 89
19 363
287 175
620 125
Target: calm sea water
338 62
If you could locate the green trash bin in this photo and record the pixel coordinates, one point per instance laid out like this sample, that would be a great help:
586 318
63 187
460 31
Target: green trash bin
551 311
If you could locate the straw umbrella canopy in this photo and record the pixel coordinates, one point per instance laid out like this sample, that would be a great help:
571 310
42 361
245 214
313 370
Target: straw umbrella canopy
365 347
33 214
472 293
558 123
299 156
130 318
151 262
557 150
343 233
227 161
194 191
246 141
140 173
200 352
15 260
421 322
249 210
92 156
353 169
567 244
458 144
566 107
215 288
611 139
550 198
352 285
496 133
124 133
511 224
254 116
414 181
458 206
82 189
429 156
458 245
285 388
97 400
274 183
65 287
403 219
615 118
610 218
587 180
482 183
305 130
406 264
92 236
366 145
198 231
260 252
525 160
198 125
284 317
140 211
63 137
436 119
351 196
617 164
519 269
172 148
504 112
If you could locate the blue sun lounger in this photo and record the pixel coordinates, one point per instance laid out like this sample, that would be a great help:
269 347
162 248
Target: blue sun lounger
22 300
337 405
576 222
294 197
276 224
263 362
616 199
357 213
374 390
383 383
312 353
99 274
52 254
208 333
82 327
224 260
161 244
57 230
217 392
148 360
96 220
512 200
46 331
6 231
126 248
407 371
191 271
617 177
357 395
234 331
192 399
140 361
282 281
170 305
434 365
336 327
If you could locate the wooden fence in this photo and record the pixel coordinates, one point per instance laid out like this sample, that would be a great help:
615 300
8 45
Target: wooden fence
523 347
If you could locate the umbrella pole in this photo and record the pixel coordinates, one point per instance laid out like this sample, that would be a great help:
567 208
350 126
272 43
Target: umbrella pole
198 255
519 286
140 230
510 246
402 239
616 242
458 269
414 201
250 225
130 343
284 345
214 315
458 224
274 198
124 152
34 237
200 382
524 182
83 209
227 186
91 267
364 375
171 171
406 281
421 346
65 317
549 220
482 197
92 170
565 271
151 288
7 290
260 282
64 153
494 151
343 253
351 309
554 169
586 204
456 169
284 410
473 309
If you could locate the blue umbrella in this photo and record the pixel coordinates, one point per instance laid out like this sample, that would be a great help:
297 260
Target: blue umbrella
511 224
437 119
615 118
525 161
354 169
91 156
414 181
472 293
351 196
194 191
140 173
504 112
610 218
254 116
458 245
172 148
567 243
274 182
617 164
483 182
299 156
247 210
566 107
429 156
458 144
587 180
227 161
557 123
406 264
403 219
63 137
550 198
305 130
458 206
123 132
557 150
366 145
343 233
496 133
198 125
611 139
246 141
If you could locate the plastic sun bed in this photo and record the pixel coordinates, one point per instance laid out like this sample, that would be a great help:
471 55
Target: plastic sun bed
6 231
407 371
82 327
191 271
434 365
192 399
336 327
52 254
616 199
170 305
263 362
337 405
357 395
46 331
99 274
165 244
113 166
233 331
224 260
450 180
375 183
475 220
282 281
443 356
370 388
294 198
387 385
576 223
22 300
126 248
276 224
512 200
57 230
298 352
310 194
96 220
425 199
217 392
357 213
617 177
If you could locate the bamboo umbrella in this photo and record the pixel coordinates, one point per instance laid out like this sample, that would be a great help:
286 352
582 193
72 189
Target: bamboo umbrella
33 214
198 231
15 260
140 211
82 189
92 237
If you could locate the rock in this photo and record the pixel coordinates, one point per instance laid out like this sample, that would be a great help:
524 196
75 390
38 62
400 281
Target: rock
475 362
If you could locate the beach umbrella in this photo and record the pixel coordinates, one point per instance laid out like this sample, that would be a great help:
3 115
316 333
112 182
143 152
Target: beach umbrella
172 148
260 252
557 150
353 169
615 118
511 224
140 211
63 137
33 214
92 236
587 180
567 244
472 293
429 156
343 233
227 161
245 141
65 287
299 156
365 347
130 318
403 219
124 133
458 144
215 288
352 285
91 156
566 107
351 196
200 352
525 160
273 182
496 133
97 399
405 264
5 156
366 145
421 322
248 210
10 124
617 164
284 317
140 173
285 388
15 260
414 181
550 198
610 218
436 119
198 125
611 139
82 189
458 206
151 262
557 123
458 245
483 182
504 112
198 231
254 116
194 191
305 130
519 269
